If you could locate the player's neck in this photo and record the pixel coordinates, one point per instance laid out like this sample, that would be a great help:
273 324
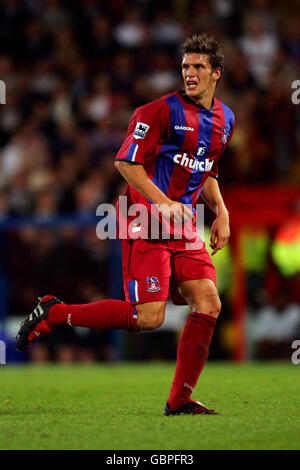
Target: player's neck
205 100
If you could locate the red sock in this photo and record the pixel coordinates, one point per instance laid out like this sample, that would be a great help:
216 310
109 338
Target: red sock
104 315
192 353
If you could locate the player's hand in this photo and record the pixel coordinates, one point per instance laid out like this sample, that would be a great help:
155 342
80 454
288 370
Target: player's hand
176 211
220 233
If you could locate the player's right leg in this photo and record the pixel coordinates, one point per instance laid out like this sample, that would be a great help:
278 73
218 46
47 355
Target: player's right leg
51 312
36 324
104 314
146 273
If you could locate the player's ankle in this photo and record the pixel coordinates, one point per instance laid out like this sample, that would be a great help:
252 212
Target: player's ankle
177 403
56 315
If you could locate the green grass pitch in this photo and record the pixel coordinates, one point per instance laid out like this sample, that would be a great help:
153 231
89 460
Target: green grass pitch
119 407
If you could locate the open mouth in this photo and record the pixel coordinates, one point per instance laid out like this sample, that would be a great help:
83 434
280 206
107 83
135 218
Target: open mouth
191 84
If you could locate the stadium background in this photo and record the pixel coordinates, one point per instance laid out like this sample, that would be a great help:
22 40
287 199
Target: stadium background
74 73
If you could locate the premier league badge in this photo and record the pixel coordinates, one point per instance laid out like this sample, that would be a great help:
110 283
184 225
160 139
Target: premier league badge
140 130
152 284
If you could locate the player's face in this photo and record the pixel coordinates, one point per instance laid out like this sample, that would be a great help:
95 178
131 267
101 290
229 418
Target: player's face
198 76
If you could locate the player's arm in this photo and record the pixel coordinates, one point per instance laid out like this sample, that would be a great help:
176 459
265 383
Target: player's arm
136 176
220 231
148 125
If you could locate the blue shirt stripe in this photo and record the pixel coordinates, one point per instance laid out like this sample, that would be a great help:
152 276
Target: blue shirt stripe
130 153
204 140
165 164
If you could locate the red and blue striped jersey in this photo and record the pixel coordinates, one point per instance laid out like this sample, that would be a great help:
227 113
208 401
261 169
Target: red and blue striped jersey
179 143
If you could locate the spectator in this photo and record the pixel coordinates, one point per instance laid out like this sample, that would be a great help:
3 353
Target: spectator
131 32
75 72
260 48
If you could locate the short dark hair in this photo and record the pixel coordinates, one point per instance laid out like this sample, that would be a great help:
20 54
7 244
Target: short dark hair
204 44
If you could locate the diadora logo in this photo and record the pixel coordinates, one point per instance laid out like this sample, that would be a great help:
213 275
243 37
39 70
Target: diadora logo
192 163
152 284
183 128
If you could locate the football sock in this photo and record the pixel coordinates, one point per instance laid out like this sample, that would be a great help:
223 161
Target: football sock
104 314
192 353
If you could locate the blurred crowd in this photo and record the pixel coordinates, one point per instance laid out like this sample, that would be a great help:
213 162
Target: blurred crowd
75 70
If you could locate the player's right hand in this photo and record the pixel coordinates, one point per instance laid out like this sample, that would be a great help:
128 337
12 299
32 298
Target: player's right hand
175 211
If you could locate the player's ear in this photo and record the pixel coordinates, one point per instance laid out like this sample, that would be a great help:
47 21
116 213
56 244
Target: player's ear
216 74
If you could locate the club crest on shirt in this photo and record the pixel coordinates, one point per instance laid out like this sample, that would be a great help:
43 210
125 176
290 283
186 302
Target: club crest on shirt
140 130
201 151
225 134
152 284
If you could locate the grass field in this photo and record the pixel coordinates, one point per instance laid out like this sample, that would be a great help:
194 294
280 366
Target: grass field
120 407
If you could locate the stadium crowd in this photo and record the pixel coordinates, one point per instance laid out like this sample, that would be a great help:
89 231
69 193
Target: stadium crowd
74 73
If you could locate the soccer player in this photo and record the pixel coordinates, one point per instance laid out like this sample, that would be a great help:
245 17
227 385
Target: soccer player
170 155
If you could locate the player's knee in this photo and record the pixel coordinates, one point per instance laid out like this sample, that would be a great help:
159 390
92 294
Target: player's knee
155 322
150 316
215 307
210 304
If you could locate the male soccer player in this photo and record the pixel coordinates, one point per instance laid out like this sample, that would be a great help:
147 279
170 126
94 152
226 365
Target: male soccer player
170 155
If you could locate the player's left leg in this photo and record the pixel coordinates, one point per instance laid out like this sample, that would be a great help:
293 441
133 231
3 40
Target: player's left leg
202 296
193 348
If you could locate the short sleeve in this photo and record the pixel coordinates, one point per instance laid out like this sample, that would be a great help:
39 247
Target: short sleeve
148 126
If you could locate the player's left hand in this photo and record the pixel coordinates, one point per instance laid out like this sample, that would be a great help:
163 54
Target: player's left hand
220 233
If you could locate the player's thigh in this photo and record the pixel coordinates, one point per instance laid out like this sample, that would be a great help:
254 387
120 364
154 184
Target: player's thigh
151 315
201 295
146 276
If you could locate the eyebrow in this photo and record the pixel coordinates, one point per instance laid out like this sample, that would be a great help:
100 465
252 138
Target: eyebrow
193 63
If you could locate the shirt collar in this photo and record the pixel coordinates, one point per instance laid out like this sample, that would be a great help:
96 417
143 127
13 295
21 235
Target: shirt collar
189 100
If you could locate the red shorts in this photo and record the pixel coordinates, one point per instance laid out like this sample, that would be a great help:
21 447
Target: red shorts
153 269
